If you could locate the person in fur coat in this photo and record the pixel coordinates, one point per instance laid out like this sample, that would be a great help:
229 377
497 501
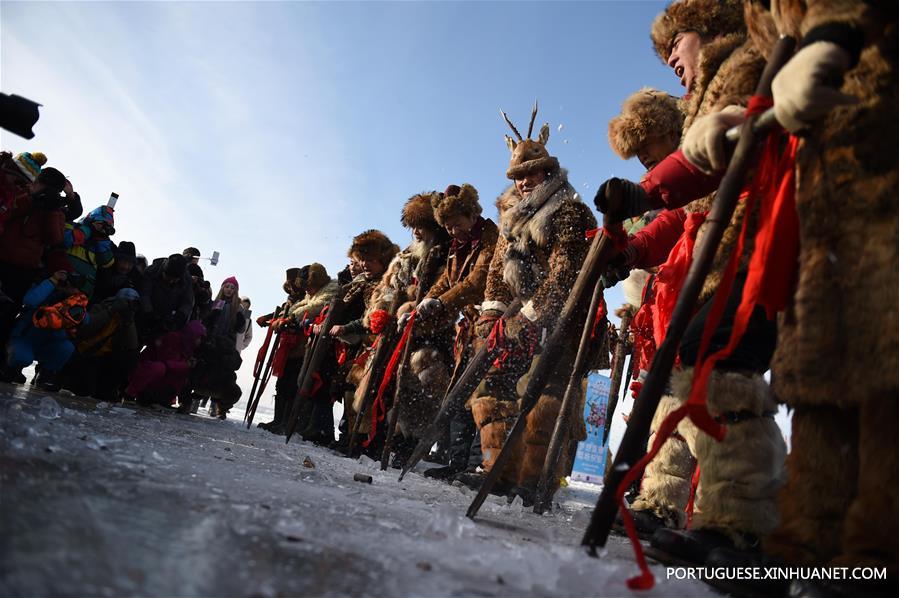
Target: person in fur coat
838 342
373 251
707 45
427 375
537 257
456 294
649 128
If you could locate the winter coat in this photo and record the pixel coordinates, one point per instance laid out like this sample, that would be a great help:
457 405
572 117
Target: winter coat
839 342
110 329
554 244
403 276
29 232
246 337
357 297
41 296
216 327
311 305
87 251
110 282
161 299
464 279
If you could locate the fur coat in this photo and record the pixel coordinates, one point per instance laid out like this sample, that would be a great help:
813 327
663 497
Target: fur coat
538 256
839 342
729 68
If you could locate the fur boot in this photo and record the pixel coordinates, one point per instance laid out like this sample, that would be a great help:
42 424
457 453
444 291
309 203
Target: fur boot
540 424
665 489
494 419
822 470
740 475
871 526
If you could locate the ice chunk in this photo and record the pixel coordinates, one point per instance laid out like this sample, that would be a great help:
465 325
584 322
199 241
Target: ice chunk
449 523
49 408
102 405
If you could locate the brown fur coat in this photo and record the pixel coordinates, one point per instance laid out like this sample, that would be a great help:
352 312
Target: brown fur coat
840 340
556 237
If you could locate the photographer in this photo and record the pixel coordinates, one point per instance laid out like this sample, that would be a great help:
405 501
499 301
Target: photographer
166 296
202 292
123 274
88 248
32 221
52 310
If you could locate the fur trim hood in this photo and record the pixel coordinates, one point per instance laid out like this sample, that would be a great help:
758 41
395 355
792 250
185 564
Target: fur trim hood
419 212
708 18
455 201
645 115
373 243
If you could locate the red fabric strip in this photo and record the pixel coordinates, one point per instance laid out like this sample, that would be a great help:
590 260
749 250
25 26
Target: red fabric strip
378 408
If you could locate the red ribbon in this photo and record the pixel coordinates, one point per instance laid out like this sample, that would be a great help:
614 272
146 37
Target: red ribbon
379 408
694 484
601 312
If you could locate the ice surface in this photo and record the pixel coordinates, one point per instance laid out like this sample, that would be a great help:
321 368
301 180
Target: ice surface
165 510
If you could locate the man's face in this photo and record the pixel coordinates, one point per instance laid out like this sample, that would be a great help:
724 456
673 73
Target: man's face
422 234
529 182
685 57
459 226
655 150
372 266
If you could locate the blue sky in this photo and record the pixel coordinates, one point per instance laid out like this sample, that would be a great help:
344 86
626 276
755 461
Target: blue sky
274 132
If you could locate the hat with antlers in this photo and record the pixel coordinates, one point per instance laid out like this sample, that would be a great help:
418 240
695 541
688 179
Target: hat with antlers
529 155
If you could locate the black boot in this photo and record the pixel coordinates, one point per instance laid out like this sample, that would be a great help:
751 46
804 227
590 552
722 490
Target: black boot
692 546
645 522
49 381
402 450
445 472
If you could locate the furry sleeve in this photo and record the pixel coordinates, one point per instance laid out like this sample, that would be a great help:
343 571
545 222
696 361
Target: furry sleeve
569 249
470 290
312 306
849 12
496 290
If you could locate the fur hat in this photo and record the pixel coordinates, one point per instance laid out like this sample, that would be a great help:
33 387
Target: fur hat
30 164
373 244
291 274
645 115
529 155
418 211
317 276
708 18
455 201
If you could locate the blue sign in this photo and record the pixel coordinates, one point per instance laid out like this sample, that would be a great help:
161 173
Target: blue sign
589 464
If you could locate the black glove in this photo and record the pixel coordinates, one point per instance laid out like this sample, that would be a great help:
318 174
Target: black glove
619 267
619 199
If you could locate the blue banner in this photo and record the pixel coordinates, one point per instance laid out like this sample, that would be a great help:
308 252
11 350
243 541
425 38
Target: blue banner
590 462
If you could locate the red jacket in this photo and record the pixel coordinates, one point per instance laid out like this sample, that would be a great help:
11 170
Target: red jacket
28 233
674 182
654 241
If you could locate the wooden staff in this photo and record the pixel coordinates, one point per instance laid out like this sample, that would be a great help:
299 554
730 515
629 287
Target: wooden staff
633 445
621 351
257 369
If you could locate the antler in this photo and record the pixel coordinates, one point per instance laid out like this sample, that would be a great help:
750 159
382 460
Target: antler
509 122
533 118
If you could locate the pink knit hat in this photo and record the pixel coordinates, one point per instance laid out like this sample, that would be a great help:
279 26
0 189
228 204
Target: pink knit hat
232 280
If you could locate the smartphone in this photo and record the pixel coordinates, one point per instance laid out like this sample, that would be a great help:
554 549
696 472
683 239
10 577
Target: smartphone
112 200
214 260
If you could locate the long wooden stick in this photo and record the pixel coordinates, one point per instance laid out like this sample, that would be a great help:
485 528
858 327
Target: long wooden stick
601 251
260 359
633 445
546 487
